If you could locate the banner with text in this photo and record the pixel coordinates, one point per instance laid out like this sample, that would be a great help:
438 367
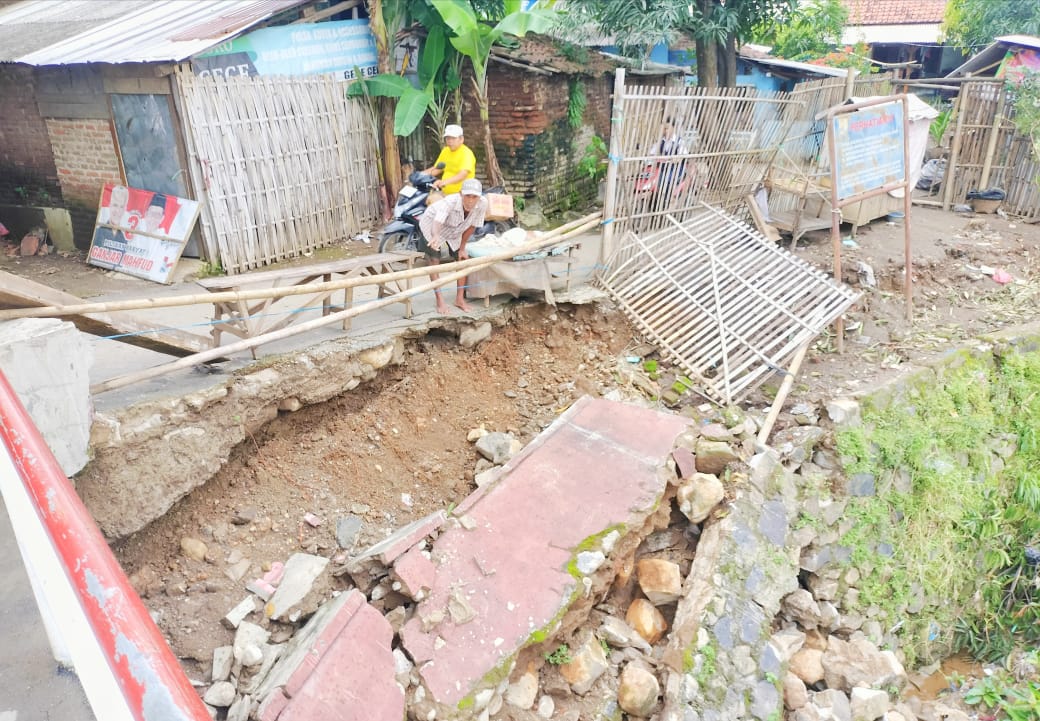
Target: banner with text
338 46
141 232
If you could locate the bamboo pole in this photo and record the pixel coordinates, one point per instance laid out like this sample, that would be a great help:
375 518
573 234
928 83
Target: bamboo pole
781 394
563 233
955 150
250 343
991 145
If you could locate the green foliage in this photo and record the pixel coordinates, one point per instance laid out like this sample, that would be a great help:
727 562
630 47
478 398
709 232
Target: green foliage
966 556
855 56
975 23
1000 692
576 102
560 656
940 123
811 30
593 164
1026 95
210 270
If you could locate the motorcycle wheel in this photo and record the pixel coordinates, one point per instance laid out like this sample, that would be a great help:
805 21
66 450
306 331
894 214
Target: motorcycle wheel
401 242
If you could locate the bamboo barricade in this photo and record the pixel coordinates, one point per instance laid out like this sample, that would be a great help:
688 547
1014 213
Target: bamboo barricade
51 311
458 270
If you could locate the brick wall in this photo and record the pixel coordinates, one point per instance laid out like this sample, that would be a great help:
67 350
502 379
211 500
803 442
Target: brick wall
27 172
86 158
538 151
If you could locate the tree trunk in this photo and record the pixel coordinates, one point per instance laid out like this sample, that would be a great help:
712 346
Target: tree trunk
707 54
707 64
493 171
728 63
391 165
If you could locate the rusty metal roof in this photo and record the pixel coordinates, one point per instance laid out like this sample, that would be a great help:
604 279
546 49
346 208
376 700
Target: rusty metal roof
45 32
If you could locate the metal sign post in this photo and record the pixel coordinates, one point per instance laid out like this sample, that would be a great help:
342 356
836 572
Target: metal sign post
868 144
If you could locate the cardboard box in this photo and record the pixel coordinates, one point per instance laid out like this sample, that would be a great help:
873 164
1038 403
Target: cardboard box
500 206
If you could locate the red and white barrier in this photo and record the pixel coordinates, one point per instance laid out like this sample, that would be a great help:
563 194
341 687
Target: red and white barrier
94 618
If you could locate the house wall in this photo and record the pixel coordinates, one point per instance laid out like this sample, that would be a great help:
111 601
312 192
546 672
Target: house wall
538 150
28 175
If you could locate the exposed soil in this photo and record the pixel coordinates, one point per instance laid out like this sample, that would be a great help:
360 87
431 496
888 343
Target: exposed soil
396 449
391 452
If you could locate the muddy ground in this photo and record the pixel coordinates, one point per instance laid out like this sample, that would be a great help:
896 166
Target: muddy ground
396 449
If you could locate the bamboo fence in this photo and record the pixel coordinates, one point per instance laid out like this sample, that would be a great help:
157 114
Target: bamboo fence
286 165
986 151
722 302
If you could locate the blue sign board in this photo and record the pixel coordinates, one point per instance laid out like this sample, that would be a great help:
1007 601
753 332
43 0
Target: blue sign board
308 49
869 148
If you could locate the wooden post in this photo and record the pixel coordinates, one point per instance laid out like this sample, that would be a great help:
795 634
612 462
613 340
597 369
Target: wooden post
955 149
613 165
991 142
781 394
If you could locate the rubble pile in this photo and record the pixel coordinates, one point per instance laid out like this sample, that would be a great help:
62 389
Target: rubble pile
673 594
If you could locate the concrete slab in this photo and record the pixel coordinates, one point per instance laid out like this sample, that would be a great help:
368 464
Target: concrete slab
501 585
345 673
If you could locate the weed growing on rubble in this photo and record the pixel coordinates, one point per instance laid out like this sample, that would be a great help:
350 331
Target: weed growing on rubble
957 540
560 656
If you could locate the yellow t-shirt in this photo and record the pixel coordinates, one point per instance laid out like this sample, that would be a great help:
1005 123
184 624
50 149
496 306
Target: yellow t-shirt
454 161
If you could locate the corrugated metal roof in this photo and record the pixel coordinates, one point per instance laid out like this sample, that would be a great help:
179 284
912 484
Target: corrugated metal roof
800 67
50 32
987 59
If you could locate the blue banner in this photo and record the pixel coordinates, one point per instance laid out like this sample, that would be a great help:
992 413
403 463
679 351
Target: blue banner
307 49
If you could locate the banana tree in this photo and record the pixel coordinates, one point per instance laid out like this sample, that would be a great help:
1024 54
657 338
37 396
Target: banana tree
412 102
385 18
474 39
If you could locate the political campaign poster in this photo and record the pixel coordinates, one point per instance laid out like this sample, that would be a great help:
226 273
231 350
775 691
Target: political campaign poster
339 46
141 232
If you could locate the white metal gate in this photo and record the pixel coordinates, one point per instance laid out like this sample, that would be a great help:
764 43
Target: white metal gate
283 165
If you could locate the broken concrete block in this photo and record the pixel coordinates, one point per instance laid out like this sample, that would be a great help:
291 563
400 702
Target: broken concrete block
498 447
546 707
843 411
390 549
416 573
248 636
714 456
252 678
525 531
588 664
473 335
264 587
239 710
221 694
301 571
223 656
347 530
685 462
638 690
522 692
646 620
698 495
659 579
238 569
236 615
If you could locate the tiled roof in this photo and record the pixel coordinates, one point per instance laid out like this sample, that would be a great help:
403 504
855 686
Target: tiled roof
894 12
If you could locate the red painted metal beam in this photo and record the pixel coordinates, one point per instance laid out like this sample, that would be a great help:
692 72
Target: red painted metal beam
153 684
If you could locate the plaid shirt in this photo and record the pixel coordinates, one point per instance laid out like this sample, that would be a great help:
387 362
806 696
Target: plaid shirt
453 221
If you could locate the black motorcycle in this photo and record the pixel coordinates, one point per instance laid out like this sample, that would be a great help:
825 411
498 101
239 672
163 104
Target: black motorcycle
402 233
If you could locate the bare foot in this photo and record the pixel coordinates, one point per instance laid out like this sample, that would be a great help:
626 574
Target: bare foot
443 309
464 306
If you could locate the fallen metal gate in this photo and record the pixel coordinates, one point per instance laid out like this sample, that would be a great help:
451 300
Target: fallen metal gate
720 301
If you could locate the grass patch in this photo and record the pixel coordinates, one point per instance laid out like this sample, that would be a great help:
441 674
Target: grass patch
956 538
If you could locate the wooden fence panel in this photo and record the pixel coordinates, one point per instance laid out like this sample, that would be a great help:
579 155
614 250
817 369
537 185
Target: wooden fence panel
287 165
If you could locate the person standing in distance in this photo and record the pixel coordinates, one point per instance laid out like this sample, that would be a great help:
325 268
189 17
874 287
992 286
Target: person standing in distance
455 164
444 229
